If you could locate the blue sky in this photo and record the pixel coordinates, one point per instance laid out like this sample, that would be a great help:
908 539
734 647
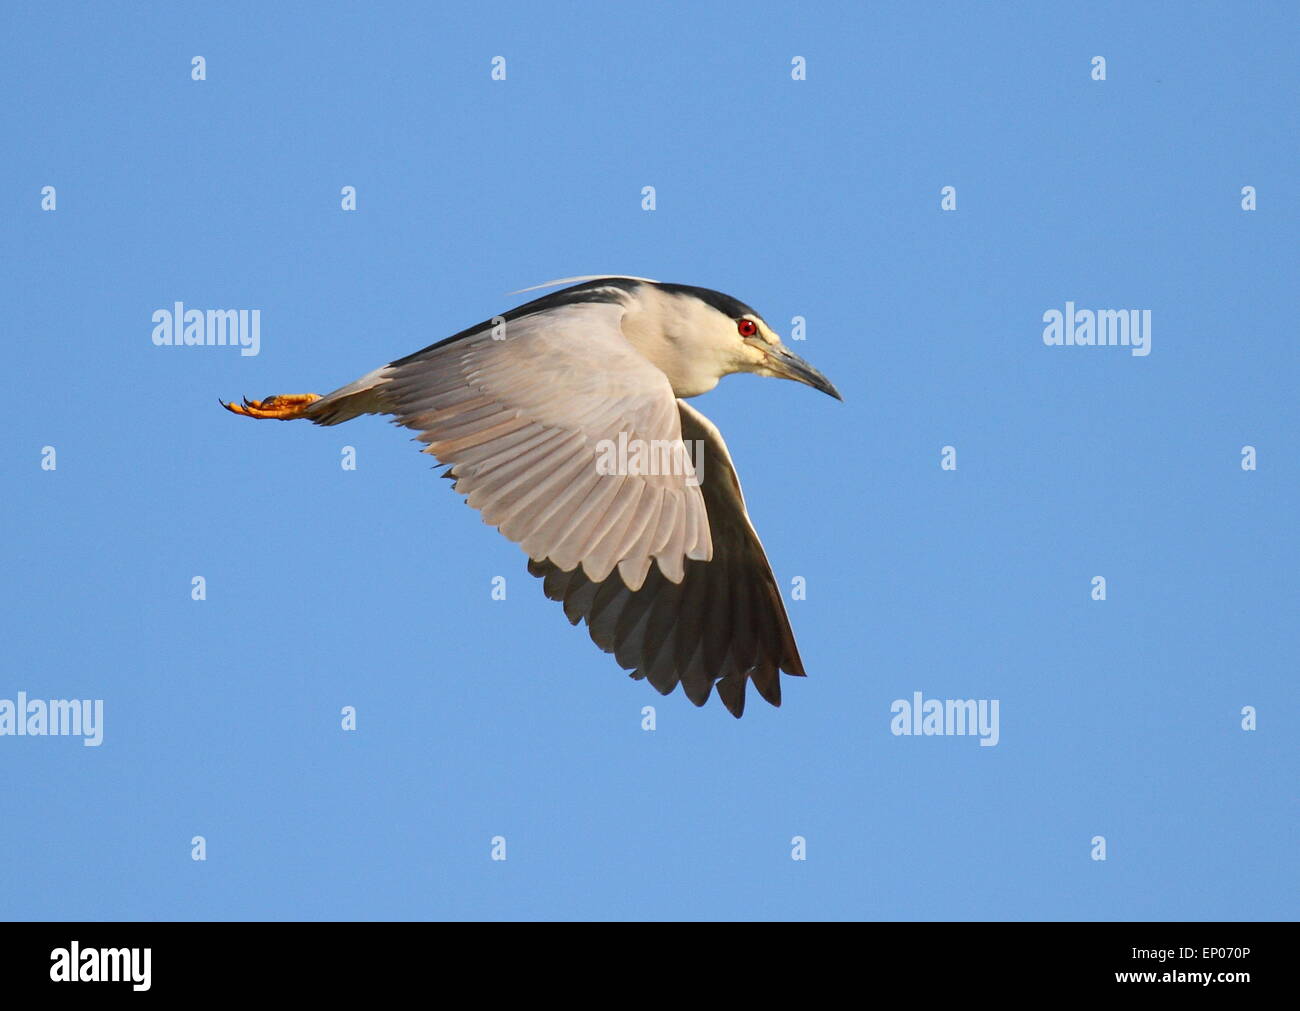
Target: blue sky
818 198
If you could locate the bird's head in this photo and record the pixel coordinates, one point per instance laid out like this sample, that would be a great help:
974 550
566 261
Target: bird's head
697 336
762 353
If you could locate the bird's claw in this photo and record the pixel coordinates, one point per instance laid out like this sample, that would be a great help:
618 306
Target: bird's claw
284 407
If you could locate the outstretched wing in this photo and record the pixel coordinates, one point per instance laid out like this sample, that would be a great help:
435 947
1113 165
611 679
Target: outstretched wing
724 622
526 412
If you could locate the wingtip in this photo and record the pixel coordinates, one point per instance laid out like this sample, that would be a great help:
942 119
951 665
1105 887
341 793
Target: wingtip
731 689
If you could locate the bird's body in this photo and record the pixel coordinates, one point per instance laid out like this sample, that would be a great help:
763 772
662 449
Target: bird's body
659 557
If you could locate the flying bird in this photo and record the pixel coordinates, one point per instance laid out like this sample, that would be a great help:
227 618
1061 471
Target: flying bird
653 549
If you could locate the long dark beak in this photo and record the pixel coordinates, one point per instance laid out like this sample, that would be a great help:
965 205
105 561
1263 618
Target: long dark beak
788 365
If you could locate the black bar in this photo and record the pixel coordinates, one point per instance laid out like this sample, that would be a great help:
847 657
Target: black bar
335 960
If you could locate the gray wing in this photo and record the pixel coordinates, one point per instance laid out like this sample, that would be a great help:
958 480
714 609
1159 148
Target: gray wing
724 622
522 420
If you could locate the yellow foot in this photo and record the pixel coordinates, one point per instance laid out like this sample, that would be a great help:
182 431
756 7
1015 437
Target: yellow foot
285 407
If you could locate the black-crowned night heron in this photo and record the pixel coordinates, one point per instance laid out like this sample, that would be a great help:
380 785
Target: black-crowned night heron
563 423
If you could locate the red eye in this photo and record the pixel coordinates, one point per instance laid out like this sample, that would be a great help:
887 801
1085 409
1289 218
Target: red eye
746 327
